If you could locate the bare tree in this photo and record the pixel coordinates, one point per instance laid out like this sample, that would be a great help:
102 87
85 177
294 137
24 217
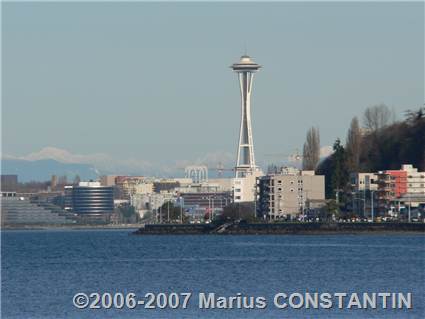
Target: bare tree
377 116
353 145
311 149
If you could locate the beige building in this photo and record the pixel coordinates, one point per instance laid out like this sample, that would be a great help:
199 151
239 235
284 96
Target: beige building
364 181
244 188
131 185
222 184
415 180
108 180
284 194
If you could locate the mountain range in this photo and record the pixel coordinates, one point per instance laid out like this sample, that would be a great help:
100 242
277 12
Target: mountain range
42 170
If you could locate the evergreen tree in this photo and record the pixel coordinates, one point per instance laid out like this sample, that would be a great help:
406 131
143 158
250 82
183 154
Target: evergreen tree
340 174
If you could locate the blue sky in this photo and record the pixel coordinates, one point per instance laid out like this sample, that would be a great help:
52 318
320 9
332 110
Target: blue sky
150 82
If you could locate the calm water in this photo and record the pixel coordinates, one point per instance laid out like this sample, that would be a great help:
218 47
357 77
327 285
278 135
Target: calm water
42 270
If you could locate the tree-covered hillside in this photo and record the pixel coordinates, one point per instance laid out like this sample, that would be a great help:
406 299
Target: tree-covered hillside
379 145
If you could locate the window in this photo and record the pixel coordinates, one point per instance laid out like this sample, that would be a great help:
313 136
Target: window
237 190
238 197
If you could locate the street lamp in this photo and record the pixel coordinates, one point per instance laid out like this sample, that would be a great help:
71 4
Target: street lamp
181 209
359 199
304 195
212 209
255 200
168 211
364 202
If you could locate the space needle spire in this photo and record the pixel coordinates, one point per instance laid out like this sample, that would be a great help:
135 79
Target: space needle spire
245 163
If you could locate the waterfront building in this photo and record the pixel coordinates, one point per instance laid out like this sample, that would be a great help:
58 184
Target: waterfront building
244 188
391 184
415 195
89 198
19 210
364 182
364 186
415 180
286 194
387 191
402 190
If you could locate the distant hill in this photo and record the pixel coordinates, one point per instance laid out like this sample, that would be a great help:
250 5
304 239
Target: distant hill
42 170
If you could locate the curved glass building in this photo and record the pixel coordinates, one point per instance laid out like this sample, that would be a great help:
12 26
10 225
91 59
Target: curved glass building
91 198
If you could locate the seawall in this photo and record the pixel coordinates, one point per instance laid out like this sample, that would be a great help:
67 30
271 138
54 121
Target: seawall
281 228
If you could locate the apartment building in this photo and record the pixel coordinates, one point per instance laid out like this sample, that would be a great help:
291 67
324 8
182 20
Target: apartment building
401 187
364 182
286 194
415 180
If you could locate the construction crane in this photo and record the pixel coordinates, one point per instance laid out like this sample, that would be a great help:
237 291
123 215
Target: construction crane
295 157
221 169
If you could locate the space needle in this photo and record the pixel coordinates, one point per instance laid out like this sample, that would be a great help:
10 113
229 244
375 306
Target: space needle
245 163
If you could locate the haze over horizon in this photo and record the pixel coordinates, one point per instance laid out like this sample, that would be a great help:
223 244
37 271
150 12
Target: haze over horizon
145 85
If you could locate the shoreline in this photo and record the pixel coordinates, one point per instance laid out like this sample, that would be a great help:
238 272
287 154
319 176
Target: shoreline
284 229
71 227
244 228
